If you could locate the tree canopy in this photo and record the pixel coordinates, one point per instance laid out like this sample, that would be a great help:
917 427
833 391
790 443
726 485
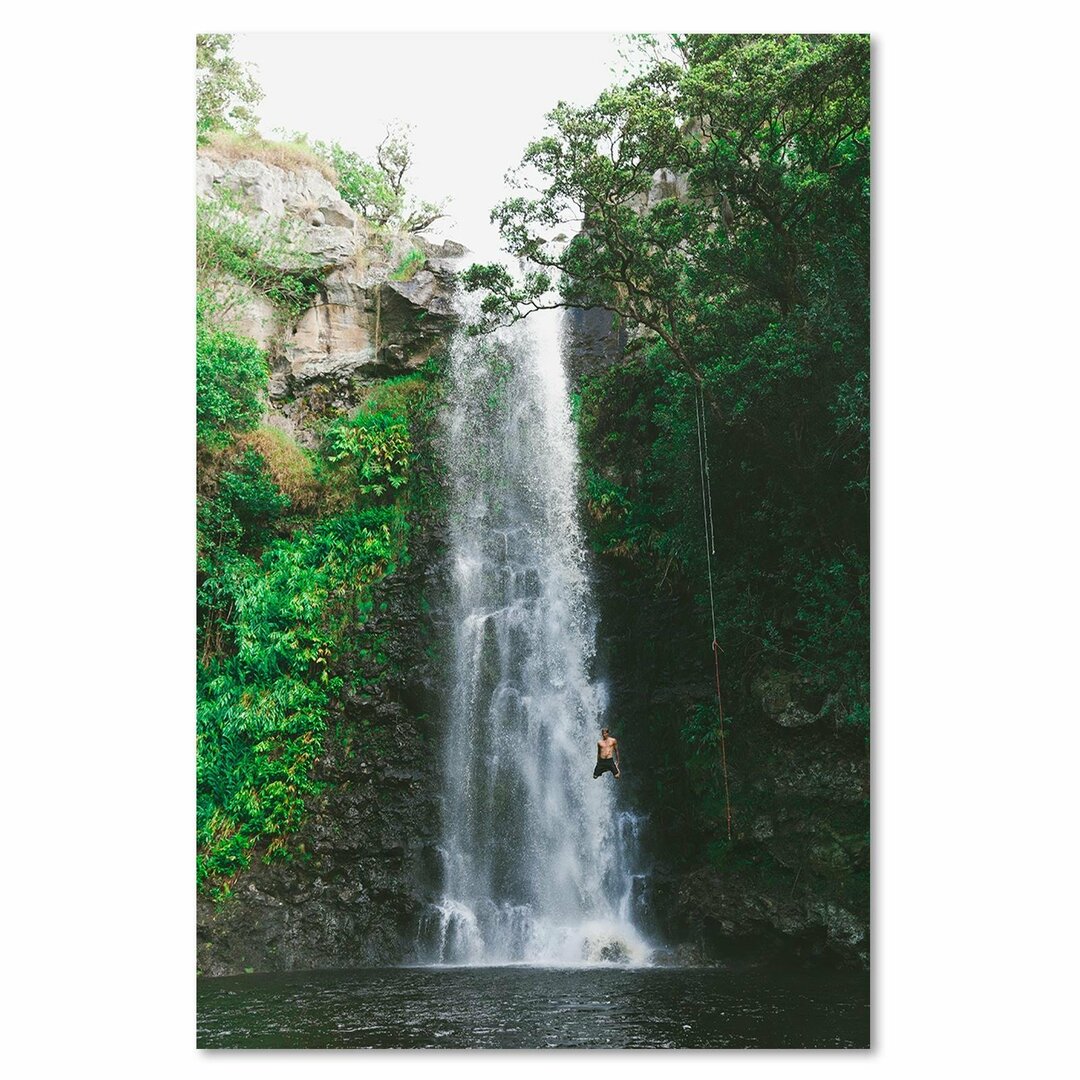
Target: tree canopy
727 186
225 89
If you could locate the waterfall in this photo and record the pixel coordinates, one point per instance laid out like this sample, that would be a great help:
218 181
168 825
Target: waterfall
539 861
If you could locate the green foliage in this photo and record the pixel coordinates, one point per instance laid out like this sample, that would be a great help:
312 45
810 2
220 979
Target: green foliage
833 619
225 89
372 448
770 133
244 509
362 185
283 604
231 248
264 697
230 381
409 266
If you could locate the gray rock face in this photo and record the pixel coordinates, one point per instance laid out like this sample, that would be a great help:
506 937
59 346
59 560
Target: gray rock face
667 184
331 245
448 249
273 192
338 214
426 290
249 313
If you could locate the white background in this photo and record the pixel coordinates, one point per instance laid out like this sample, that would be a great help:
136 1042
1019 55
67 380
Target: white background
974 384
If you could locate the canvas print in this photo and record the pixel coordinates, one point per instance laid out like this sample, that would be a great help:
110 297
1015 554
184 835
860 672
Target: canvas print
533 561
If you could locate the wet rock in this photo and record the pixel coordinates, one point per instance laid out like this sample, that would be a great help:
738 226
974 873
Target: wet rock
793 883
615 952
595 339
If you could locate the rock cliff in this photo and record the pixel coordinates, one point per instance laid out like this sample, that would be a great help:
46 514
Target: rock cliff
367 320
797 879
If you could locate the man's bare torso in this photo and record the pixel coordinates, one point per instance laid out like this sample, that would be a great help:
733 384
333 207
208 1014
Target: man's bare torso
606 747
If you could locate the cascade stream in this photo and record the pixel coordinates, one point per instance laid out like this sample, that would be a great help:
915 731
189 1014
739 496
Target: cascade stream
539 861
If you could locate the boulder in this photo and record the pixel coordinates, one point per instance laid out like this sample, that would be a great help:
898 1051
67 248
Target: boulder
425 290
331 245
448 249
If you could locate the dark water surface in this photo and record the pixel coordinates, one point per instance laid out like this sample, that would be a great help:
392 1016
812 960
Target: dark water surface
527 1007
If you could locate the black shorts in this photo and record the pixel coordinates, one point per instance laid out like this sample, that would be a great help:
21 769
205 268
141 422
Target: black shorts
603 765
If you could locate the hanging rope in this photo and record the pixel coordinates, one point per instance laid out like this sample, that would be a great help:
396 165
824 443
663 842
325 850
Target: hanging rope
710 551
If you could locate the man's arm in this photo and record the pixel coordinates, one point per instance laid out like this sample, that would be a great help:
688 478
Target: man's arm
615 748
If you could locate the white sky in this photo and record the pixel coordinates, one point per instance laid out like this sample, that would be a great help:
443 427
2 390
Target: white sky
475 100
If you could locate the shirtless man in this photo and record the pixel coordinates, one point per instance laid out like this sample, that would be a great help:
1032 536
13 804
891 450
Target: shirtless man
607 755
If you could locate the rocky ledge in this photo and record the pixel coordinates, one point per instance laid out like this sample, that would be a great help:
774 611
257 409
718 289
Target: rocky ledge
385 298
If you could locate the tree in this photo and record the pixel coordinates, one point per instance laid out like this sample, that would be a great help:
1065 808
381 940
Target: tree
394 157
362 185
773 127
719 206
225 89
379 191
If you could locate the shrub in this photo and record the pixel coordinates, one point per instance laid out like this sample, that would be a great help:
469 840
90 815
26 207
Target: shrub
290 466
244 508
266 256
369 453
230 380
409 266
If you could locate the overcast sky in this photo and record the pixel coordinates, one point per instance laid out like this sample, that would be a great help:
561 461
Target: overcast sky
474 99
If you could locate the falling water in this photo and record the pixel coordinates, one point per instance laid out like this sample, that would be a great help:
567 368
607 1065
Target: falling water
539 863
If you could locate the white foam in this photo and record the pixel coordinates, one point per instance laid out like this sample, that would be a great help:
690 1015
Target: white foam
541 867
